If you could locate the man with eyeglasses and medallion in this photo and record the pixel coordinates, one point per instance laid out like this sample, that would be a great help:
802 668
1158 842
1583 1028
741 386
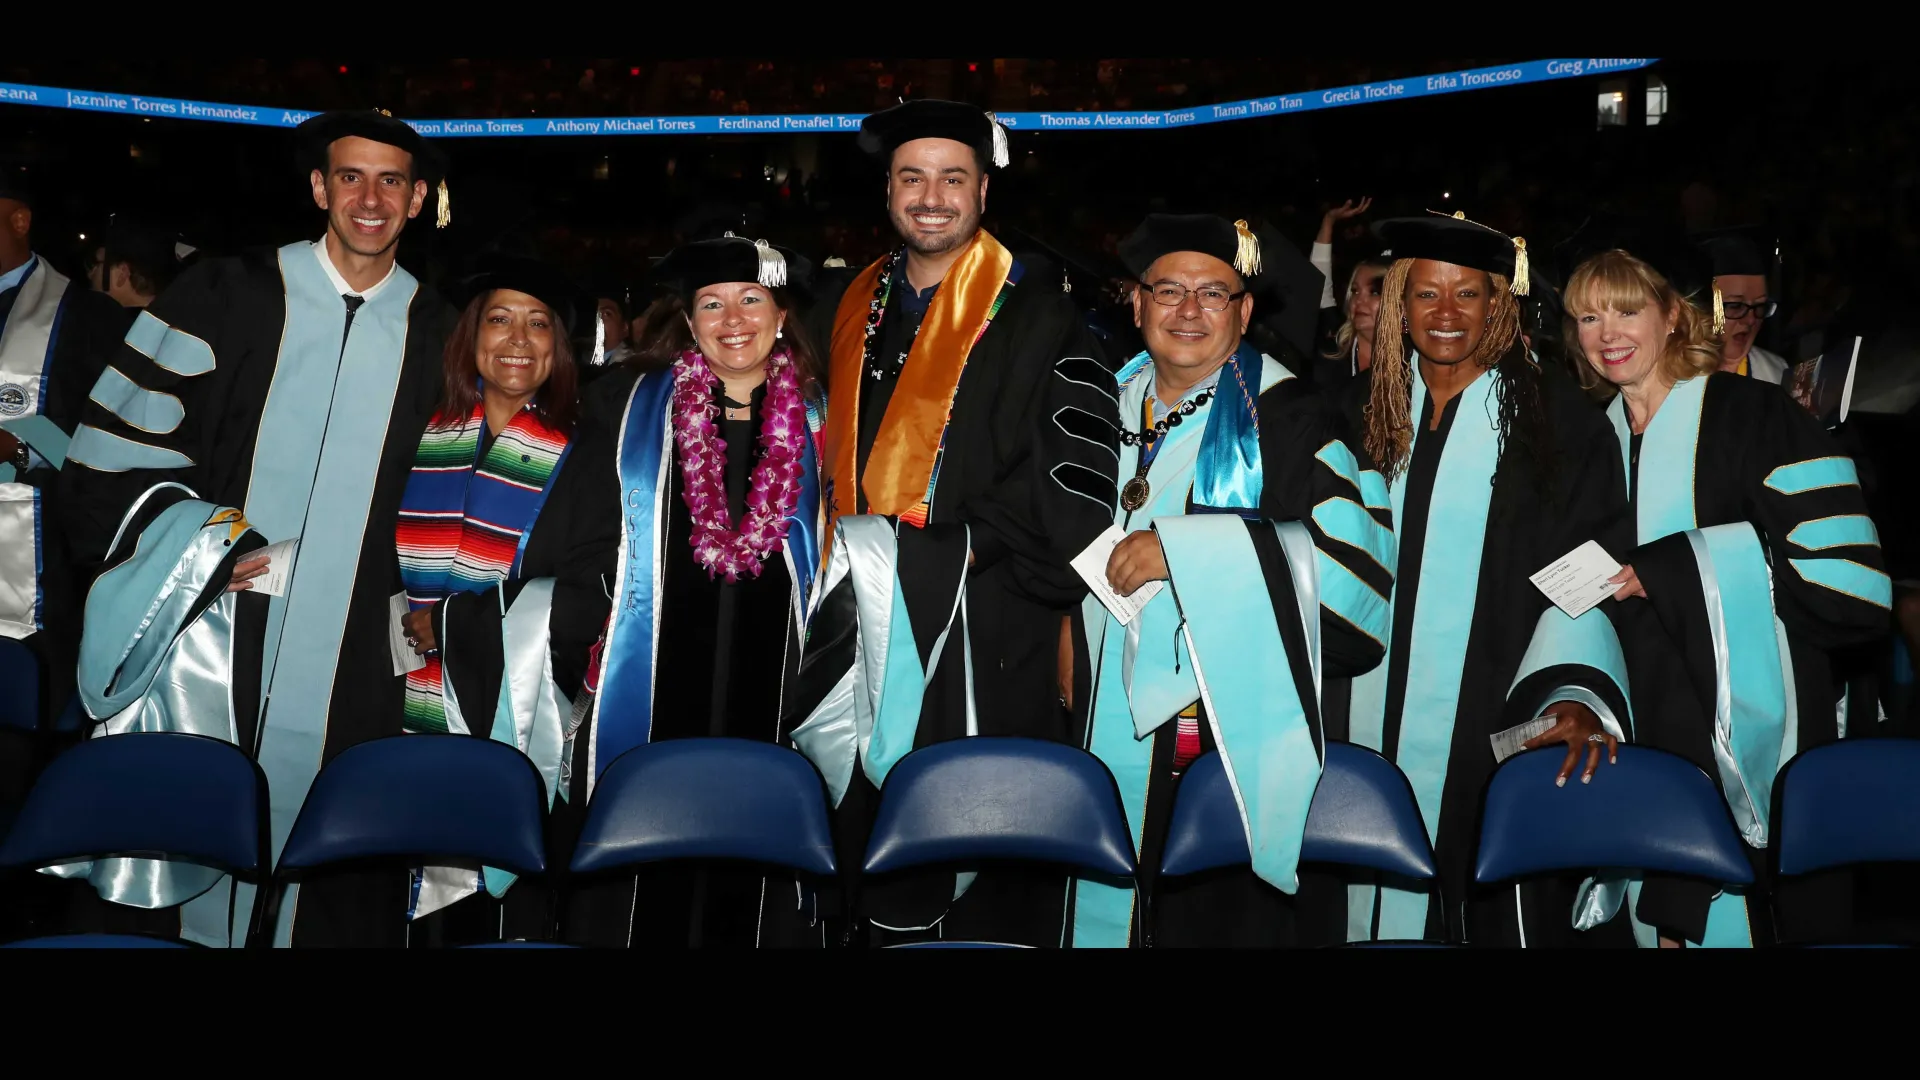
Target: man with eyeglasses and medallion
1260 541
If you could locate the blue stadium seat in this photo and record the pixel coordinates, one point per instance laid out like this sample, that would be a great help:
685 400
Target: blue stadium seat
1363 816
97 941
431 798
1652 811
1000 799
186 798
1846 803
717 799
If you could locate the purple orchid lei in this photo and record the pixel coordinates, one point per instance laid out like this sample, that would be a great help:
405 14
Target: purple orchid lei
775 486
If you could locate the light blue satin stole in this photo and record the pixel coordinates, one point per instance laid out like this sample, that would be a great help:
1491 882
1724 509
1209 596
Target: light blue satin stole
1209 636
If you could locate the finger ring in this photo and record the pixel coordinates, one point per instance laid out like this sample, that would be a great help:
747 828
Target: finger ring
1596 738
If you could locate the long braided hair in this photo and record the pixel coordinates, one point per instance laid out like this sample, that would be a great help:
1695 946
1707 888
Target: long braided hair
1520 395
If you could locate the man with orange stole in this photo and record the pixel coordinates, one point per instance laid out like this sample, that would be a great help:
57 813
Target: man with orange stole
971 449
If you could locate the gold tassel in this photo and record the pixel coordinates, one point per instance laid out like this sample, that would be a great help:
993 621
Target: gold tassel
1246 255
1522 281
445 216
1719 313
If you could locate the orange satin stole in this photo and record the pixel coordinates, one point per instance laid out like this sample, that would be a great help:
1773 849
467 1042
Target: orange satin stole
904 448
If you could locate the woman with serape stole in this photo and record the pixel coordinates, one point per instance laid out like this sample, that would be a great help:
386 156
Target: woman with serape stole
1246 495
715 427
1496 468
505 537
1757 556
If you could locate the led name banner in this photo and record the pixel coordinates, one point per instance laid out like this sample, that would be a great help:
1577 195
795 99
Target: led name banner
1451 82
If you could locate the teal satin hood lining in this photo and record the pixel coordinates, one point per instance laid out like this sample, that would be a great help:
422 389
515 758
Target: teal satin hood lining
134 611
1227 475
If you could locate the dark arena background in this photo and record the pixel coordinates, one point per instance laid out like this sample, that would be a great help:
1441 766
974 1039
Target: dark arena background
754 526
1821 152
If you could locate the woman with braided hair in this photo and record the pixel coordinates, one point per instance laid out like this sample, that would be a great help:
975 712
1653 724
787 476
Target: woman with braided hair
1496 468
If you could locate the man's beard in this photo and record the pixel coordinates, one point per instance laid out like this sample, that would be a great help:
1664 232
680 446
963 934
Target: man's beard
965 224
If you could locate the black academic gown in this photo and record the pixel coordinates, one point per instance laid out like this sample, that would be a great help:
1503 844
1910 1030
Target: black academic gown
1749 429
237 308
574 541
1523 534
1234 908
727 653
1011 429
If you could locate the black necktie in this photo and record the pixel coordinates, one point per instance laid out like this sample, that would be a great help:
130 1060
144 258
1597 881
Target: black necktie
353 304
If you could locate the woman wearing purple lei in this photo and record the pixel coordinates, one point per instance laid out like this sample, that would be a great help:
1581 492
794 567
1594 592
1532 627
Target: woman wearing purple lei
715 424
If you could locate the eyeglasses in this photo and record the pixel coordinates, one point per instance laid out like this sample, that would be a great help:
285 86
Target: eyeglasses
1173 294
1762 310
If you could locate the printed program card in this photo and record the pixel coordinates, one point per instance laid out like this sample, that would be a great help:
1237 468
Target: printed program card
279 573
1508 743
1578 580
404 658
1092 566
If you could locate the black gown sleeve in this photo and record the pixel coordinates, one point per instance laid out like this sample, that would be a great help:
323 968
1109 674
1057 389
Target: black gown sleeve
1057 491
1589 503
1315 472
91 332
1831 587
185 366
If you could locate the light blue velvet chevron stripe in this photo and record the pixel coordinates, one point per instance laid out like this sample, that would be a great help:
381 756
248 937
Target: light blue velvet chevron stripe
1849 577
1812 475
142 409
176 350
107 452
1344 520
1843 530
1367 482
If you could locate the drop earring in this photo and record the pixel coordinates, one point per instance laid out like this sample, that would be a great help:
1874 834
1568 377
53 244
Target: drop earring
779 333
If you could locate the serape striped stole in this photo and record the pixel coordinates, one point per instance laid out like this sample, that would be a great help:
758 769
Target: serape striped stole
464 521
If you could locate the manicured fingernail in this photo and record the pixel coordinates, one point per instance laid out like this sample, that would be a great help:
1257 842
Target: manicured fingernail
1587 779
1559 781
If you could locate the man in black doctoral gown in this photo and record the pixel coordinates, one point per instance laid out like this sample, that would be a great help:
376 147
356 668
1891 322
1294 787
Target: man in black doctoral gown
293 385
967 413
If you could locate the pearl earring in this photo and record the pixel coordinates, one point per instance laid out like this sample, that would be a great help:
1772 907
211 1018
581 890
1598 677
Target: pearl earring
779 332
